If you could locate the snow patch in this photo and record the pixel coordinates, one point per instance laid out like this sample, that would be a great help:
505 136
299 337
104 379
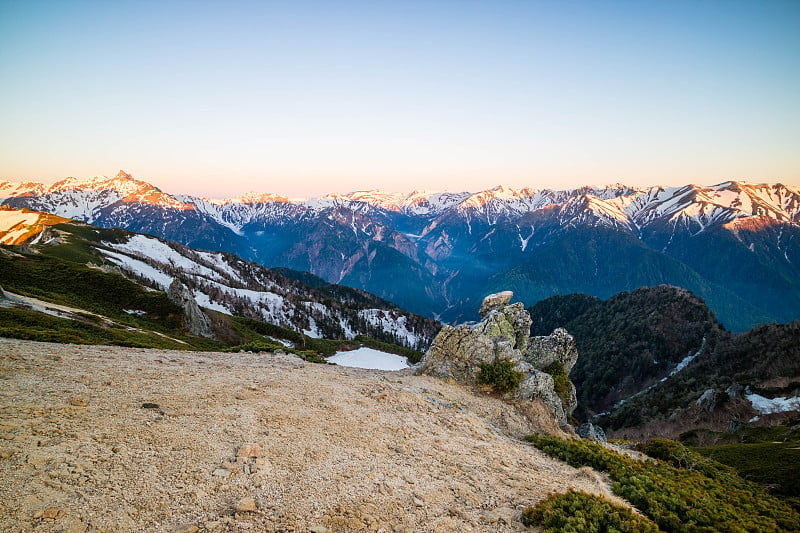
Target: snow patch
161 252
370 358
203 300
16 224
685 361
140 268
768 406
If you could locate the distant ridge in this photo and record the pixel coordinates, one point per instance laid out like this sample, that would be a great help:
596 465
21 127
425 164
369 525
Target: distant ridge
736 244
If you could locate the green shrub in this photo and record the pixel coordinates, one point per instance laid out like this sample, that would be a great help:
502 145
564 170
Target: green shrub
681 492
500 375
310 356
579 512
774 464
255 346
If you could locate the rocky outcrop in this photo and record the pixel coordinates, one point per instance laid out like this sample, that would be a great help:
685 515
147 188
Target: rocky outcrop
558 347
735 391
196 321
589 431
708 401
458 353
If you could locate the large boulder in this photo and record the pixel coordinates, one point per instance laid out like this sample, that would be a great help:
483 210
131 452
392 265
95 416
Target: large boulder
495 301
458 352
196 321
589 431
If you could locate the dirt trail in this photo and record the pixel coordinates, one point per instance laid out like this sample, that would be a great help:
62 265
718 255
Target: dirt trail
97 438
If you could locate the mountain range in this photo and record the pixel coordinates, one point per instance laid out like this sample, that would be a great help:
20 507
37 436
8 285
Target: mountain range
735 244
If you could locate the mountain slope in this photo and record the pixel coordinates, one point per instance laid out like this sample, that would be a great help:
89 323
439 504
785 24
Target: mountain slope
655 362
628 342
218 281
736 244
18 226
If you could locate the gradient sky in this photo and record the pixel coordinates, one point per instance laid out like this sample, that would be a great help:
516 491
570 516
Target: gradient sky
304 98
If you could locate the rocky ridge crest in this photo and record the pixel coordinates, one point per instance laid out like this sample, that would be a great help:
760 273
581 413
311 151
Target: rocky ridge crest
503 334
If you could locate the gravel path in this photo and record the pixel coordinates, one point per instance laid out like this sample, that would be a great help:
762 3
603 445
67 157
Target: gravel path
98 438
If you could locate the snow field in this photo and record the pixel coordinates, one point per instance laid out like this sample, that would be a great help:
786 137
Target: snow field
369 358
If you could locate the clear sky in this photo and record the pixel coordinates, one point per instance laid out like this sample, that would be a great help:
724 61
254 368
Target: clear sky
304 98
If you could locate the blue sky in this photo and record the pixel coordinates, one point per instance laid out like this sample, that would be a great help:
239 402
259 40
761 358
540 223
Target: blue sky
304 98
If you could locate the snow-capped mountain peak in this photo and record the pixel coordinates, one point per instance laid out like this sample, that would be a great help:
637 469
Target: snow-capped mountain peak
81 198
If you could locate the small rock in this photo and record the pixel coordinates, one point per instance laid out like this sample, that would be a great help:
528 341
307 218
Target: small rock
494 301
150 405
506 515
318 529
249 450
196 320
186 528
221 472
51 513
246 505
77 401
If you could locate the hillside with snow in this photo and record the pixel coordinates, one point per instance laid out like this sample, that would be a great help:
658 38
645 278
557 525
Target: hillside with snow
223 282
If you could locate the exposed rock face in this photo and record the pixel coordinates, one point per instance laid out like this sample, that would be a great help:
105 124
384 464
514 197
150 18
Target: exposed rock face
196 321
734 424
735 391
559 346
708 401
588 430
457 353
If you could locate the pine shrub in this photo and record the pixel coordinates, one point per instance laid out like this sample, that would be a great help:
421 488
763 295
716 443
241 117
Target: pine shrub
502 376
579 512
681 491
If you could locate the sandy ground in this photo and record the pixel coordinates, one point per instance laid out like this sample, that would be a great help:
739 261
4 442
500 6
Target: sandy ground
97 438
